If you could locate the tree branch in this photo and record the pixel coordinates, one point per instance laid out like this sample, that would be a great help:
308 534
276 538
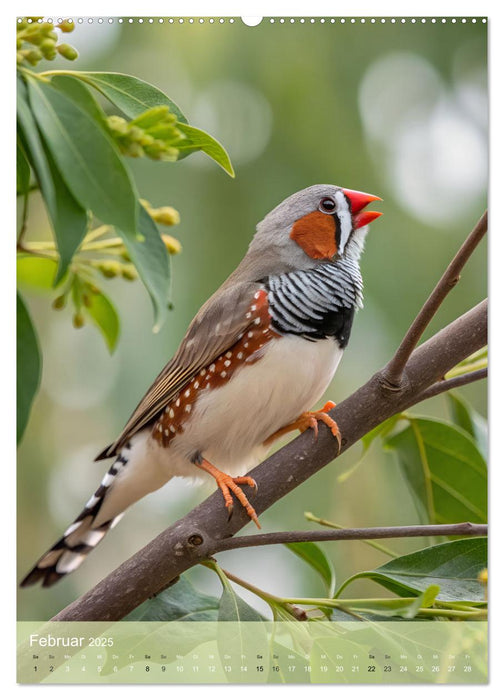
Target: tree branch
199 534
453 383
360 533
393 372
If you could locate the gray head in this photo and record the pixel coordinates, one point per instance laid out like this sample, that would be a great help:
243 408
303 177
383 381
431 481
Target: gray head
315 225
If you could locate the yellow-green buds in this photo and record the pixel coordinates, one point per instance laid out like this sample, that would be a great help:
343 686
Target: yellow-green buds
66 26
168 216
153 134
67 52
129 272
117 125
48 49
43 36
154 117
173 245
78 320
59 302
109 268
33 56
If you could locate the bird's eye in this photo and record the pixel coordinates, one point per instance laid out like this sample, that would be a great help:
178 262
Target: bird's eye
327 205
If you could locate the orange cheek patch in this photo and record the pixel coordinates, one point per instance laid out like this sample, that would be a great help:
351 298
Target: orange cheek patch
315 233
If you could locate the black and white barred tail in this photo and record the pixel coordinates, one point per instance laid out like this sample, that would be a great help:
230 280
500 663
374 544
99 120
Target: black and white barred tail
82 536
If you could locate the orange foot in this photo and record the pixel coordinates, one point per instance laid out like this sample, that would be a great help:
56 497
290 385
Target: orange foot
228 484
309 419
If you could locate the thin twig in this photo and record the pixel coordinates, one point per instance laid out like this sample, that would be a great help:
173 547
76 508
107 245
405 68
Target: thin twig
393 372
453 383
361 533
376 545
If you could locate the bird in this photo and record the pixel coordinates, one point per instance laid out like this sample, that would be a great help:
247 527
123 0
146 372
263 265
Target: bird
256 358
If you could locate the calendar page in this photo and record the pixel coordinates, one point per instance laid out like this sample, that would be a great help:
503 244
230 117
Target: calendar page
251 319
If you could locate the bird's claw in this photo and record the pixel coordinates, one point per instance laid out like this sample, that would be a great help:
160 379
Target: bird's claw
228 485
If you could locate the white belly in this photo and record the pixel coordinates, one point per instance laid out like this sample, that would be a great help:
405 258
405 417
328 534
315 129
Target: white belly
229 425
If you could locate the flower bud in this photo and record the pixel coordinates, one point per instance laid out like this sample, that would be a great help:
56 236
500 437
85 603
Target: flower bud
165 132
109 268
152 116
33 56
134 150
48 49
47 29
66 26
166 215
129 272
34 39
117 124
173 246
135 133
170 155
78 320
146 140
67 52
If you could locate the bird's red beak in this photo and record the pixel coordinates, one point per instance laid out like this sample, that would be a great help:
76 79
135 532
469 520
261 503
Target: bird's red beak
358 201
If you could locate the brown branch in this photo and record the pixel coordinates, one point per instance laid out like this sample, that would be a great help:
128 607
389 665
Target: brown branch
393 372
360 533
200 533
453 383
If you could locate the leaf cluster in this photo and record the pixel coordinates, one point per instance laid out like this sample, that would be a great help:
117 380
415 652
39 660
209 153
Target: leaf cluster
75 155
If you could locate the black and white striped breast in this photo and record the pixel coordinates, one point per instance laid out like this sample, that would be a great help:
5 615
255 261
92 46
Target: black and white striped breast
317 303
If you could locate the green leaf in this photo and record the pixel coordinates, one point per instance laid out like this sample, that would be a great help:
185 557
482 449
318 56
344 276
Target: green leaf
22 169
198 140
445 470
34 149
104 314
463 415
176 605
152 261
79 93
86 158
29 366
68 217
380 430
453 566
232 608
315 556
69 223
34 272
182 602
132 95
331 657
238 637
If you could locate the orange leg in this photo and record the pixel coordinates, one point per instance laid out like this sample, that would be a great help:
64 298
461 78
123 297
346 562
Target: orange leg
228 484
309 419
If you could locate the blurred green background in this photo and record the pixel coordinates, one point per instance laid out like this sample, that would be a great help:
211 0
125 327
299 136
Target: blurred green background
399 110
